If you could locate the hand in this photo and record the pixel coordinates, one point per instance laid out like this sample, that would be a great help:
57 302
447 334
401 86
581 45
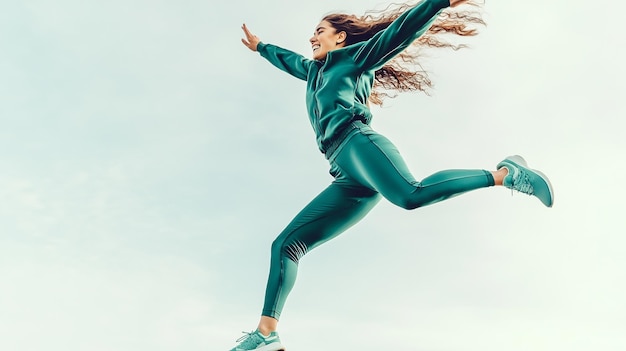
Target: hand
251 40
454 3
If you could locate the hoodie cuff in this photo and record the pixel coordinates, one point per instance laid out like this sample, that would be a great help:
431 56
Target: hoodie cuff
260 47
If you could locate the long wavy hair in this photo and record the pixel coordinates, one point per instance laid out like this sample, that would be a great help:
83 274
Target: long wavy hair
404 73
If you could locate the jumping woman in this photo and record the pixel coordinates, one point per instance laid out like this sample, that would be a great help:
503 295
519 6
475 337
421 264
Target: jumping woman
355 59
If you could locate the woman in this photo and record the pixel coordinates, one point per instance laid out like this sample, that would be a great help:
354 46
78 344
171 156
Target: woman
352 58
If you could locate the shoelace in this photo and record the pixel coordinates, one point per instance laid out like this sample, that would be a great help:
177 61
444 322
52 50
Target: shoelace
522 183
246 336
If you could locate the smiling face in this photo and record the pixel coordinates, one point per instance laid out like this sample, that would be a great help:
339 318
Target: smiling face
325 39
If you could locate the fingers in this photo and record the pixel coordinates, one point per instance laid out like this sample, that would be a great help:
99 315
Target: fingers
455 3
247 32
251 40
245 29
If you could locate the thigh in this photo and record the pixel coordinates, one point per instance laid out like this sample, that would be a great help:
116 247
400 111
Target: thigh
334 210
374 161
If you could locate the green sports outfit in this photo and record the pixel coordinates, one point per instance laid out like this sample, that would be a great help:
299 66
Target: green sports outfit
365 165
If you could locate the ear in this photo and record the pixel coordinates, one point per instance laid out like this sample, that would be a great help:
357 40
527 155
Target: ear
341 37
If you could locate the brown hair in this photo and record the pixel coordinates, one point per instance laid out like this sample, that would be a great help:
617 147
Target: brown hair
403 72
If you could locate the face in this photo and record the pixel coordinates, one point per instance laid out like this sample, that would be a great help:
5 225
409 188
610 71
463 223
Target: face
325 39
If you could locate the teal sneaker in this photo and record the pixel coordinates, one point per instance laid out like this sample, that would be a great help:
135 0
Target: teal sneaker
258 342
526 180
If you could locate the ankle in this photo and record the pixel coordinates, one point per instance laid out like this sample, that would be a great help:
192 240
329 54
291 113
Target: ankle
265 331
267 325
498 176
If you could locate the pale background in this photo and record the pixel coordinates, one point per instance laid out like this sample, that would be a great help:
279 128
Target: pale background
148 159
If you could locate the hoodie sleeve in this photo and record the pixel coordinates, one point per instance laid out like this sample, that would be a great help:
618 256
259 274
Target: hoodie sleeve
386 44
288 61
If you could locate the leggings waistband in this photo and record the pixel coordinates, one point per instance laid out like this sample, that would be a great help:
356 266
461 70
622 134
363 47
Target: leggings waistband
340 139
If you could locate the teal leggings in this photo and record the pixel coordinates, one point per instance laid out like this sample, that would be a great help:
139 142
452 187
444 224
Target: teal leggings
367 166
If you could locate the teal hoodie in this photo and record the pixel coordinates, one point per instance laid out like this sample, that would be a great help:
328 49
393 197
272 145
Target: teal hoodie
339 86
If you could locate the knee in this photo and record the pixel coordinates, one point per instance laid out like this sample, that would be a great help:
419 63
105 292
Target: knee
407 202
415 199
410 205
291 249
277 246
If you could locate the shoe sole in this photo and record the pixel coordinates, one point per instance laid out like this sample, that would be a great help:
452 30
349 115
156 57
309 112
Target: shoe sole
520 161
271 347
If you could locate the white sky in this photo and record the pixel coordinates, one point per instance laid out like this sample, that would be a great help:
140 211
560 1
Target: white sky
148 159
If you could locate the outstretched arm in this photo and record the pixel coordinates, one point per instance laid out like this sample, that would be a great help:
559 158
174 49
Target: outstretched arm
409 26
287 61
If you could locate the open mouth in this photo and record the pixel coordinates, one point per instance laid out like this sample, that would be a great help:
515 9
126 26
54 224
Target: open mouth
315 47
